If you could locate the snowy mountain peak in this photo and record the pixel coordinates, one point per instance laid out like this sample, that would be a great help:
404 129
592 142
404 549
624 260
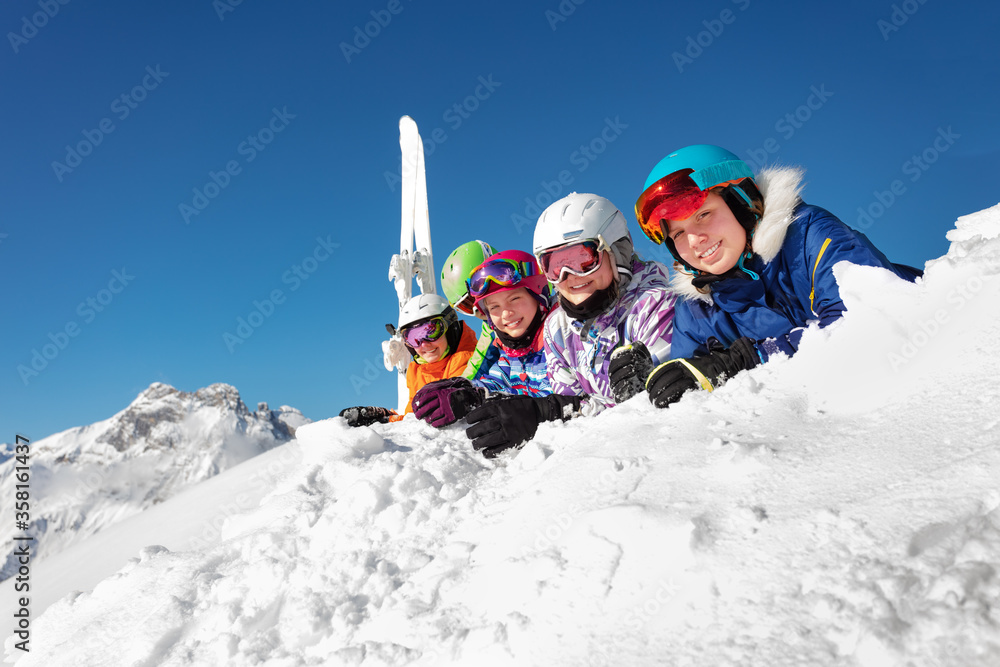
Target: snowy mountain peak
156 418
218 394
89 477
155 391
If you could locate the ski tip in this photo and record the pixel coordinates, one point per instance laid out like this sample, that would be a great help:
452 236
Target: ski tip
406 120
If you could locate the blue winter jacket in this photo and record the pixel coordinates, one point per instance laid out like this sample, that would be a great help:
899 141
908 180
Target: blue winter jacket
525 375
507 371
795 247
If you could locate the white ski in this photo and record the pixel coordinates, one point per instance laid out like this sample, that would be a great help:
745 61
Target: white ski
423 258
411 262
401 265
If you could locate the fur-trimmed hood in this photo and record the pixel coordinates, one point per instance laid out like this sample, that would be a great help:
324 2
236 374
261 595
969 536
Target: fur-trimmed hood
780 187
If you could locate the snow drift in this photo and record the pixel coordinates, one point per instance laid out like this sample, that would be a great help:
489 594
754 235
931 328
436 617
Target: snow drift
838 508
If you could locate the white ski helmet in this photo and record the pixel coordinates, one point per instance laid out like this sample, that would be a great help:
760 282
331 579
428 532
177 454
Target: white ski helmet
422 307
426 306
582 216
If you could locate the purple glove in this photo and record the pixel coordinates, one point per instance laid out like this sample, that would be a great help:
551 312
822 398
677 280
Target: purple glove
446 401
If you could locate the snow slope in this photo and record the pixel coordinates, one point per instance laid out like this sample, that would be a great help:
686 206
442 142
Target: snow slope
90 477
838 508
192 519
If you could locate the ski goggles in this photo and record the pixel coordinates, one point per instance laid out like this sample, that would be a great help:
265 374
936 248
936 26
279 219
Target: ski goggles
499 272
581 259
673 197
428 331
466 305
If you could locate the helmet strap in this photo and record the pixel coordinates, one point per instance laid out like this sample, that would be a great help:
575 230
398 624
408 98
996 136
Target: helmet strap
740 272
745 256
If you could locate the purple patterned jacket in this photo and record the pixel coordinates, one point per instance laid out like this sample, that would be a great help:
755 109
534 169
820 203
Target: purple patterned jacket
578 360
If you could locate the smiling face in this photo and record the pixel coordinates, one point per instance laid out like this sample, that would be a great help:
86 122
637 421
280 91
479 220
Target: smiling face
711 240
511 311
577 289
433 350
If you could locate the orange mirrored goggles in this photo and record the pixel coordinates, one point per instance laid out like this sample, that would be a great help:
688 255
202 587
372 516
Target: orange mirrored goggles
673 197
466 305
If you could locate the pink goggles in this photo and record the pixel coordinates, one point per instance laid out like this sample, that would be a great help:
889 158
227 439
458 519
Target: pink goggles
580 259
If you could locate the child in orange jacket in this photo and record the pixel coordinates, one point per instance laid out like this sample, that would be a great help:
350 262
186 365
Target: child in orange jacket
440 345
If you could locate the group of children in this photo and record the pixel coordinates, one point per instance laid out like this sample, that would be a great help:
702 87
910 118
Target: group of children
753 267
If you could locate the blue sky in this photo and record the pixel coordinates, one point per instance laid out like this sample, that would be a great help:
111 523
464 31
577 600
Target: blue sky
893 109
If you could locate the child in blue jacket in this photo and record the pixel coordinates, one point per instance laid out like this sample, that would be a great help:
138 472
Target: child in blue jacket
754 265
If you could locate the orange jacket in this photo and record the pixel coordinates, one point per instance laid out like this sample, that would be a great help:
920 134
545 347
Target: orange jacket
417 375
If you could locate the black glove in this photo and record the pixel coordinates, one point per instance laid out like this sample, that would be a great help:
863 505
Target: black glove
366 416
669 381
509 421
446 401
630 366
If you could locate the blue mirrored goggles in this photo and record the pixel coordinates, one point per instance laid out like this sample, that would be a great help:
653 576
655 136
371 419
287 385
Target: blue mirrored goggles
500 272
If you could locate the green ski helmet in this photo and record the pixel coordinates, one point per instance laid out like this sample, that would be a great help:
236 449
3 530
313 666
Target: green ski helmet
457 269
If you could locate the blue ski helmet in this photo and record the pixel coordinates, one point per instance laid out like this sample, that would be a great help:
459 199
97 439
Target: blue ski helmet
709 165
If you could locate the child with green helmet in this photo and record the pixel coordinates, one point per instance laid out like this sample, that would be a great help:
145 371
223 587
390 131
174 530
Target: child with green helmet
455 273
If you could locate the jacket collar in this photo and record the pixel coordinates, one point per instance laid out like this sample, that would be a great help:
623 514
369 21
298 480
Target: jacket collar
537 338
781 188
